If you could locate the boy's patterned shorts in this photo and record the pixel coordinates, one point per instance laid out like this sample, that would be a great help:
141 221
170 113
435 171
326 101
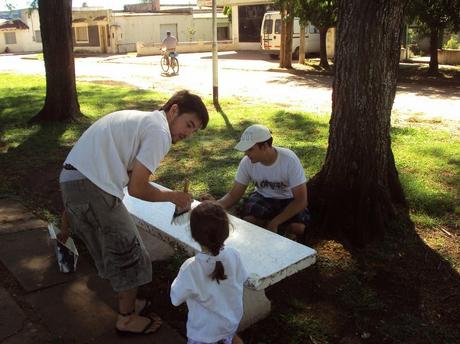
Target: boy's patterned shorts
267 208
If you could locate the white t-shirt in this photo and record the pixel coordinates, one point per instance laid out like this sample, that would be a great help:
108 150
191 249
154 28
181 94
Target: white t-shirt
107 149
214 309
276 180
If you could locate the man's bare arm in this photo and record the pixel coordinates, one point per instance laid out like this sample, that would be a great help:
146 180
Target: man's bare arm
140 187
233 196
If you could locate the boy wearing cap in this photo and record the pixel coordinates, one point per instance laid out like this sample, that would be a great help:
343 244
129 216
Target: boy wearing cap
280 195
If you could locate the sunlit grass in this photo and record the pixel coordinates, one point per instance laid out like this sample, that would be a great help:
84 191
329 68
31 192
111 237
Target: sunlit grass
428 160
348 290
429 167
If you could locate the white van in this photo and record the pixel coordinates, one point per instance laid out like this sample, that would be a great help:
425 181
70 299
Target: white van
270 36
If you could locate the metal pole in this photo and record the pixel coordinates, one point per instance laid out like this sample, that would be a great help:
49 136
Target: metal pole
215 80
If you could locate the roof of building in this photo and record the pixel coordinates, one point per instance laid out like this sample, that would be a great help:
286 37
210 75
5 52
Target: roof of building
18 24
133 14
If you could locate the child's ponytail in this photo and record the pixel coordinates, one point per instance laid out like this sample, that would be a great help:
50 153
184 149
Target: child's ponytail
219 273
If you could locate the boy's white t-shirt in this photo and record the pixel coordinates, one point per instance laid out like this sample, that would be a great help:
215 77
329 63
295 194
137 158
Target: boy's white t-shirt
107 149
214 309
276 180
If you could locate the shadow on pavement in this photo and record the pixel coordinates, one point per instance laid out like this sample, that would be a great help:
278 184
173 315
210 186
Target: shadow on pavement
240 55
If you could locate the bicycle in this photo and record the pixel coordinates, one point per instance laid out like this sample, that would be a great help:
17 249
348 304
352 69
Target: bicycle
169 60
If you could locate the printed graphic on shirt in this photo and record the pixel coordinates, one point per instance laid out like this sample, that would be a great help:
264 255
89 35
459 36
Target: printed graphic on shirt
265 184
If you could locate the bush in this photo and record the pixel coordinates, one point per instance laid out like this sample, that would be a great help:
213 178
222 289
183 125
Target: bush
452 43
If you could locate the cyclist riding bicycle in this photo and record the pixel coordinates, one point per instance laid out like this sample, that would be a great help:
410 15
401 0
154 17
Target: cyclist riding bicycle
168 46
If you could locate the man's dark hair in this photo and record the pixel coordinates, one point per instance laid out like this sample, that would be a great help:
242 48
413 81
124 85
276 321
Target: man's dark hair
188 103
268 142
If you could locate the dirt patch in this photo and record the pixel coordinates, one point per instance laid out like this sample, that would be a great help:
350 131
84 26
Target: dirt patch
401 292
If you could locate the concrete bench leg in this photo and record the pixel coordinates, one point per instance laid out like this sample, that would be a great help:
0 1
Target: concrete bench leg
256 307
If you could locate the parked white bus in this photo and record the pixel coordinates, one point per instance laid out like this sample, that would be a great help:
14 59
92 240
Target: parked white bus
270 36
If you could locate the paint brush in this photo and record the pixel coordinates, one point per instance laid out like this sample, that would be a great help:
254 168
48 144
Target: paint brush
181 215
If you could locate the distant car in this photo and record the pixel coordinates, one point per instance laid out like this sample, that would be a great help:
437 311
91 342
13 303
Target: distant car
270 36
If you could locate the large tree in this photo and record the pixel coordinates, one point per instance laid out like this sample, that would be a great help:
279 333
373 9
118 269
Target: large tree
323 15
61 103
357 194
435 15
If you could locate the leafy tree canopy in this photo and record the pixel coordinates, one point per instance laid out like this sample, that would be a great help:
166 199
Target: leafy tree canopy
435 13
321 13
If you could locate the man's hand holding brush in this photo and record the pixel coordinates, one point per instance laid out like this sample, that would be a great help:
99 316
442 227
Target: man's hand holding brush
183 200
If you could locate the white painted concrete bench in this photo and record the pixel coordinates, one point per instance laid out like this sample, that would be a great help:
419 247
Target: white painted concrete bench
268 257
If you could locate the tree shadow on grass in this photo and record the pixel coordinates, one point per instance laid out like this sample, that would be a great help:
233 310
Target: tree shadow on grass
32 168
228 124
301 78
31 161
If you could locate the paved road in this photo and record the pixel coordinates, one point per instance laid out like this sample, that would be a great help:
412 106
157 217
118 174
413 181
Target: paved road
250 76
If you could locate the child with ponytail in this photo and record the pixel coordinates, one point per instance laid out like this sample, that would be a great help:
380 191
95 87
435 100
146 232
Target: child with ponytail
211 283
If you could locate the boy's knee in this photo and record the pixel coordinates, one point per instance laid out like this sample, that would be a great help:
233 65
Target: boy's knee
296 228
254 220
249 218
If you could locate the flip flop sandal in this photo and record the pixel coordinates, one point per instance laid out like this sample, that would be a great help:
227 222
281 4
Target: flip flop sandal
155 320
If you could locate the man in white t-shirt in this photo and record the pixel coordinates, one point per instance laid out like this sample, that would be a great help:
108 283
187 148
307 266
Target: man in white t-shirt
280 196
122 150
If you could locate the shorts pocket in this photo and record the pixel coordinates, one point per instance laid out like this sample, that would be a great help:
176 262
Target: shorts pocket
123 251
82 216
110 201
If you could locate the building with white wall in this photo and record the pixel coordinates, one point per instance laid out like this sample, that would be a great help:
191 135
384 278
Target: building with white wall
100 30
187 25
20 31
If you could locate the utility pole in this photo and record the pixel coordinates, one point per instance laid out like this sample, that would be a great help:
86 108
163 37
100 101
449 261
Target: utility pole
215 80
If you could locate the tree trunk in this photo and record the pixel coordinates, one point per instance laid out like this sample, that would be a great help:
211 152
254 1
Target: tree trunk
287 27
322 47
61 103
302 45
434 42
283 36
357 194
288 46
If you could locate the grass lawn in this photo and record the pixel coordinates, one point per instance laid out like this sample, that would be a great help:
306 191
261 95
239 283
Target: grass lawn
406 290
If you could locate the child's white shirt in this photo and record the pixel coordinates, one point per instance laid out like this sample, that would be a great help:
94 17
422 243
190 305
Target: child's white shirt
214 309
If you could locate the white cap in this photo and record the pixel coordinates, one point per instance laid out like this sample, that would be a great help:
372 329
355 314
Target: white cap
254 134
